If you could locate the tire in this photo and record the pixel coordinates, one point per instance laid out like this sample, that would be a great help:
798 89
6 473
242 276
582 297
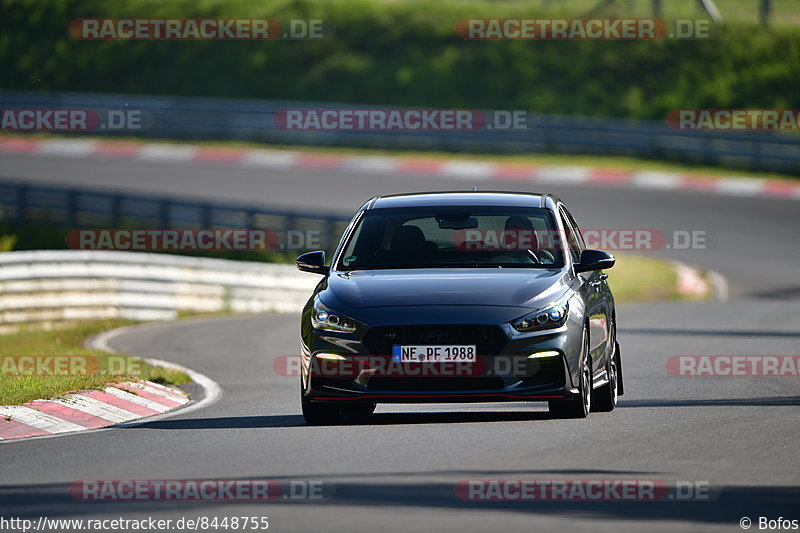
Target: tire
358 409
620 379
580 405
605 398
321 414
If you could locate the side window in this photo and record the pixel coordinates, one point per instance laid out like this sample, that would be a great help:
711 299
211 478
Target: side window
574 241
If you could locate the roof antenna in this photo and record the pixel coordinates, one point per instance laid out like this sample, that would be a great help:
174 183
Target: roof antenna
474 189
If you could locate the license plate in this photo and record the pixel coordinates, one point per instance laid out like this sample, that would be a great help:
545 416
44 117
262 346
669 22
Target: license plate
434 353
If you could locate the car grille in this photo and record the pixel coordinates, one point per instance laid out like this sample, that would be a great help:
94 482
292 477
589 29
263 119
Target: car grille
434 384
490 340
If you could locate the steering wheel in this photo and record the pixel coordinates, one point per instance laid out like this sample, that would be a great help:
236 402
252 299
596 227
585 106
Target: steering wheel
533 256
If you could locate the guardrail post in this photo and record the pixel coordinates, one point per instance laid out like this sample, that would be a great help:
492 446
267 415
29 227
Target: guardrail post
72 208
288 224
758 161
709 153
330 229
116 210
163 214
22 197
205 216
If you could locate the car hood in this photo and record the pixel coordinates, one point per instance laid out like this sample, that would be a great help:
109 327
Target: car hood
442 287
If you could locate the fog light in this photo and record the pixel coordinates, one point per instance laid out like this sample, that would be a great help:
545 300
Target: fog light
540 355
331 356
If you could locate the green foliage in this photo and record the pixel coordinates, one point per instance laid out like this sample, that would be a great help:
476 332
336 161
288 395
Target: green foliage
31 235
7 242
399 53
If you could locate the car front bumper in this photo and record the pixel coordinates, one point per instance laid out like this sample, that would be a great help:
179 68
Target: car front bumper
536 366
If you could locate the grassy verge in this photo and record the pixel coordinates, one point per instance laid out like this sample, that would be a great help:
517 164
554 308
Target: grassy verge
16 388
637 278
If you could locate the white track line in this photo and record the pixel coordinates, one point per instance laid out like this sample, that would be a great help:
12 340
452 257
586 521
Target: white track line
211 389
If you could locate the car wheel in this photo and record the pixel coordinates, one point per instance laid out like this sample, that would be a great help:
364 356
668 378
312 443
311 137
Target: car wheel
580 405
358 409
605 398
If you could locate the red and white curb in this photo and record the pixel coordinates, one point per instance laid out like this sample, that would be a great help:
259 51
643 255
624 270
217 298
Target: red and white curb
128 403
89 409
444 168
697 282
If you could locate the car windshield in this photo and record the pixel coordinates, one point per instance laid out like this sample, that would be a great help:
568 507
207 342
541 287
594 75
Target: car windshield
482 236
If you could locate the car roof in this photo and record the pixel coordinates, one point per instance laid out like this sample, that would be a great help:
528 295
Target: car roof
461 198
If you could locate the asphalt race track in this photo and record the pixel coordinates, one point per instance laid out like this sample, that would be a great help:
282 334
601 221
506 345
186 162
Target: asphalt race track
397 470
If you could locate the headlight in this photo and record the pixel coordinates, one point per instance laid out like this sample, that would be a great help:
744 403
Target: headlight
325 319
550 317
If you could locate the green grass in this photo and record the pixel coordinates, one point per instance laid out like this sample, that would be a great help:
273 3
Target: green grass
17 389
637 278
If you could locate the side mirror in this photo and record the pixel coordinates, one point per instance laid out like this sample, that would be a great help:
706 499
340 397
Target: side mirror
313 262
594 260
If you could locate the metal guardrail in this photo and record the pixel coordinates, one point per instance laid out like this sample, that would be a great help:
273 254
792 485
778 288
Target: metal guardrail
64 286
74 208
252 120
